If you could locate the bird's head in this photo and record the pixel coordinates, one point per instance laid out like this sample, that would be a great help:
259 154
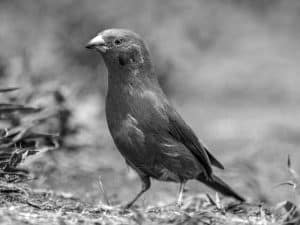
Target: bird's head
121 49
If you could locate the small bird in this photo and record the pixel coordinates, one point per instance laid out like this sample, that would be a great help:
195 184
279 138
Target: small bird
149 133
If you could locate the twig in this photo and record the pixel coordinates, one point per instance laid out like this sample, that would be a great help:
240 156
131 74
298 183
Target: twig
103 191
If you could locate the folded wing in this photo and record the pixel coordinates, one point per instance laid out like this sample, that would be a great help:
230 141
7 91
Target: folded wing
179 130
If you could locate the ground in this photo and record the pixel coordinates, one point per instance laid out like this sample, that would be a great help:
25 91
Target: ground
20 205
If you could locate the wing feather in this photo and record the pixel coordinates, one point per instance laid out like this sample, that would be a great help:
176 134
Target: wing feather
183 133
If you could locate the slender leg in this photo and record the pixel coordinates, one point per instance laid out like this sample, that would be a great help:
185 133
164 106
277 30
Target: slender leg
145 186
180 194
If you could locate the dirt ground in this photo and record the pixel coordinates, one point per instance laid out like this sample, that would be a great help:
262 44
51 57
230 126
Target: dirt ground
21 205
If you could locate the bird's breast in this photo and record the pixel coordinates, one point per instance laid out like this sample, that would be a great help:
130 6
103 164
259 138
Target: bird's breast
134 114
142 103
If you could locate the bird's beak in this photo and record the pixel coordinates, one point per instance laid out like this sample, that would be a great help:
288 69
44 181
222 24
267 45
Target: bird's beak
97 43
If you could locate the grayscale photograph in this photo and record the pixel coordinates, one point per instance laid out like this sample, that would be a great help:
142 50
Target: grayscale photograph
148 112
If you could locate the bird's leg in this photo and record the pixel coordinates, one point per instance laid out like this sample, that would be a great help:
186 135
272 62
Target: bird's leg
180 194
145 186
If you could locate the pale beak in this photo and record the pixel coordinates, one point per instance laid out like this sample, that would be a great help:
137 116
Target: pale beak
97 43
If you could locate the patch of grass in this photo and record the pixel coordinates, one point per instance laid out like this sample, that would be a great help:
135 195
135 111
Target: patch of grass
18 139
22 205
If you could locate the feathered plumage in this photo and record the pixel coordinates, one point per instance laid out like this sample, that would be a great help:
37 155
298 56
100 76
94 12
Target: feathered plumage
147 130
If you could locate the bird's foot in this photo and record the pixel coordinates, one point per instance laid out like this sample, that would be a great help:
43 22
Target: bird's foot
127 206
179 204
122 209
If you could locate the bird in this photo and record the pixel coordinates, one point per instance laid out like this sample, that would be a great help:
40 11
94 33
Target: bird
147 130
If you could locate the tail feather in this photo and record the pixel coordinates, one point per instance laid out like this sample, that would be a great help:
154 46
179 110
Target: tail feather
219 185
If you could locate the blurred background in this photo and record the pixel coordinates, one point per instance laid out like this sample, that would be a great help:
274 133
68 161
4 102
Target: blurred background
231 67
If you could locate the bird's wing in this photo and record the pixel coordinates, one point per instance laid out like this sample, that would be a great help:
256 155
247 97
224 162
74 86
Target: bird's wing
183 133
213 160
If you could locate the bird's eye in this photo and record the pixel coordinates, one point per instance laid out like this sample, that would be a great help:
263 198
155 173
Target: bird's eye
118 41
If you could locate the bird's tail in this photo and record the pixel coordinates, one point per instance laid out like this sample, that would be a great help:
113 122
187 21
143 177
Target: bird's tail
219 185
